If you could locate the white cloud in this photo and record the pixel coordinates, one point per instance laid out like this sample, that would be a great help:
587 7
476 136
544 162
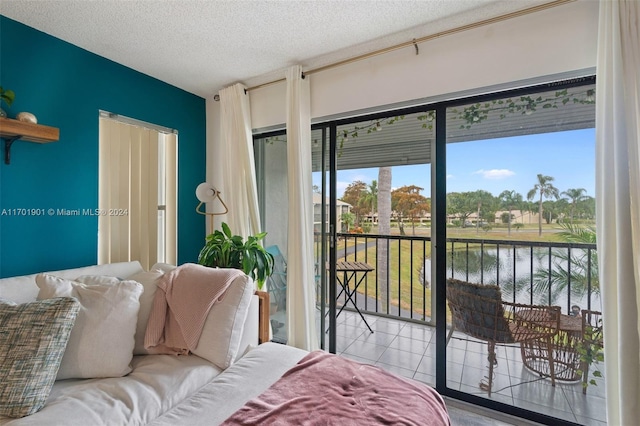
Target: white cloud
495 173
450 176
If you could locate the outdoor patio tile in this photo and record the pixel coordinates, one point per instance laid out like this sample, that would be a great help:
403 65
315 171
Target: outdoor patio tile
401 358
349 331
430 351
477 359
423 333
454 372
506 399
377 338
387 326
525 388
456 355
425 378
457 343
541 393
409 345
353 319
598 390
427 366
365 350
342 343
587 406
404 372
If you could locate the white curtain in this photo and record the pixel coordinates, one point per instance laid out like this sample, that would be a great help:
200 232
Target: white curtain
618 203
238 187
301 307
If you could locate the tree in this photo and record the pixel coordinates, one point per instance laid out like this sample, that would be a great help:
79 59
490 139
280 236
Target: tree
545 189
354 195
575 195
371 197
551 210
510 200
583 273
347 219
407 202
384 228
460 204
484 199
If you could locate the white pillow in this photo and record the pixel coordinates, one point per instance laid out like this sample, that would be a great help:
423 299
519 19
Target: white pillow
102 339
148 281
220 339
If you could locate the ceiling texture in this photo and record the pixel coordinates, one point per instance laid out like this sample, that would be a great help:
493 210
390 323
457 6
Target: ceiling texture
202 46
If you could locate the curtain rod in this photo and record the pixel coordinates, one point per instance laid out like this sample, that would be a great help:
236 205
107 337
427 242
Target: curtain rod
415 41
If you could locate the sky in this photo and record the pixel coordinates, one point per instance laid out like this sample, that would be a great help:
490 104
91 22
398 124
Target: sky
500 164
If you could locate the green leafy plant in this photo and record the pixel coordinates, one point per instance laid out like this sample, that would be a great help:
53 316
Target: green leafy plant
225 250
591 351
7 96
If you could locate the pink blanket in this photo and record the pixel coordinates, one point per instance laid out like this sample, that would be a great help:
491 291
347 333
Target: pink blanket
325 389
181 305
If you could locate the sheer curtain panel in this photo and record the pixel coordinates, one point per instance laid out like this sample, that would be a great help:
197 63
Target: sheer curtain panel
238 188
618 203
301 307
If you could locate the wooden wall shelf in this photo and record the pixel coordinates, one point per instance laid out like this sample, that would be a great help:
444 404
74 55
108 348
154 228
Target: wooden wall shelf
13 130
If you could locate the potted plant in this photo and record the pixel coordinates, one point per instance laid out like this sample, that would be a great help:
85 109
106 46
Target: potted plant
7 96
224 250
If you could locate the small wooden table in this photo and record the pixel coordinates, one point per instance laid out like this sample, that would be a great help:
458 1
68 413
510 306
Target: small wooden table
349 271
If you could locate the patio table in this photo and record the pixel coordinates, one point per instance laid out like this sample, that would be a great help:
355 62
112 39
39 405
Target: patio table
349 274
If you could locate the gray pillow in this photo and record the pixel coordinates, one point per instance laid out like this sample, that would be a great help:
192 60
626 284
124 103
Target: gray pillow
33 338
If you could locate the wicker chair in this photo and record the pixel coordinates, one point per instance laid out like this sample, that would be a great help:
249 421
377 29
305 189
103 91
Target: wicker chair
480 312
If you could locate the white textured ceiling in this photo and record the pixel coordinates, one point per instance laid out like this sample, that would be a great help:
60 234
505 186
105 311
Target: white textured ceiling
202 46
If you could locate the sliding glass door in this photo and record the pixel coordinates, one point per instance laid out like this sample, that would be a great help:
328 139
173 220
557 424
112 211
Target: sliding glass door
455 246
521 276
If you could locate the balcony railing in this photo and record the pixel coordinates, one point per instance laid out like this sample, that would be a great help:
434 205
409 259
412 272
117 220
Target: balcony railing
548 273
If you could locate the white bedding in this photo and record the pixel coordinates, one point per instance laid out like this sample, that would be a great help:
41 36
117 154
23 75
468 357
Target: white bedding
163 384
157 383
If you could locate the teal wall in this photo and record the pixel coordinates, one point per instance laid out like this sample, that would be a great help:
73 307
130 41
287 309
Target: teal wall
65 86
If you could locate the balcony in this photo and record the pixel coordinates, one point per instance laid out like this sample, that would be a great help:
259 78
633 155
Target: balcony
403 340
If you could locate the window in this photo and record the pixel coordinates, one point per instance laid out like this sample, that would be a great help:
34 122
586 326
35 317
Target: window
137 207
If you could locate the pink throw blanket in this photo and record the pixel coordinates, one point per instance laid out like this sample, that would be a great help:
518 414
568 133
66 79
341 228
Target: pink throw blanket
181 305
325 389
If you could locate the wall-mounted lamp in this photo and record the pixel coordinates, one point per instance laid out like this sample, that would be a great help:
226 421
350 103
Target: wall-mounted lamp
207 193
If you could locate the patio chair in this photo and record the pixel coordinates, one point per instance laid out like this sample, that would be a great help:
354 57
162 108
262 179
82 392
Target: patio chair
479 312
277 282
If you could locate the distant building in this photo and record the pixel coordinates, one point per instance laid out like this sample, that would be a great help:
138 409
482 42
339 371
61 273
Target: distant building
341 207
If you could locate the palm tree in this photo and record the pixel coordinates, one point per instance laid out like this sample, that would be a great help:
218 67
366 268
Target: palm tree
545 188
510 200
384 228
583 273
575 195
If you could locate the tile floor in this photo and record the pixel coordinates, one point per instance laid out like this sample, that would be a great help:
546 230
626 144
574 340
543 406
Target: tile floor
408 349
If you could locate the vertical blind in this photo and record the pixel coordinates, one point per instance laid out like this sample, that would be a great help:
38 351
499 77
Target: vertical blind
137 194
